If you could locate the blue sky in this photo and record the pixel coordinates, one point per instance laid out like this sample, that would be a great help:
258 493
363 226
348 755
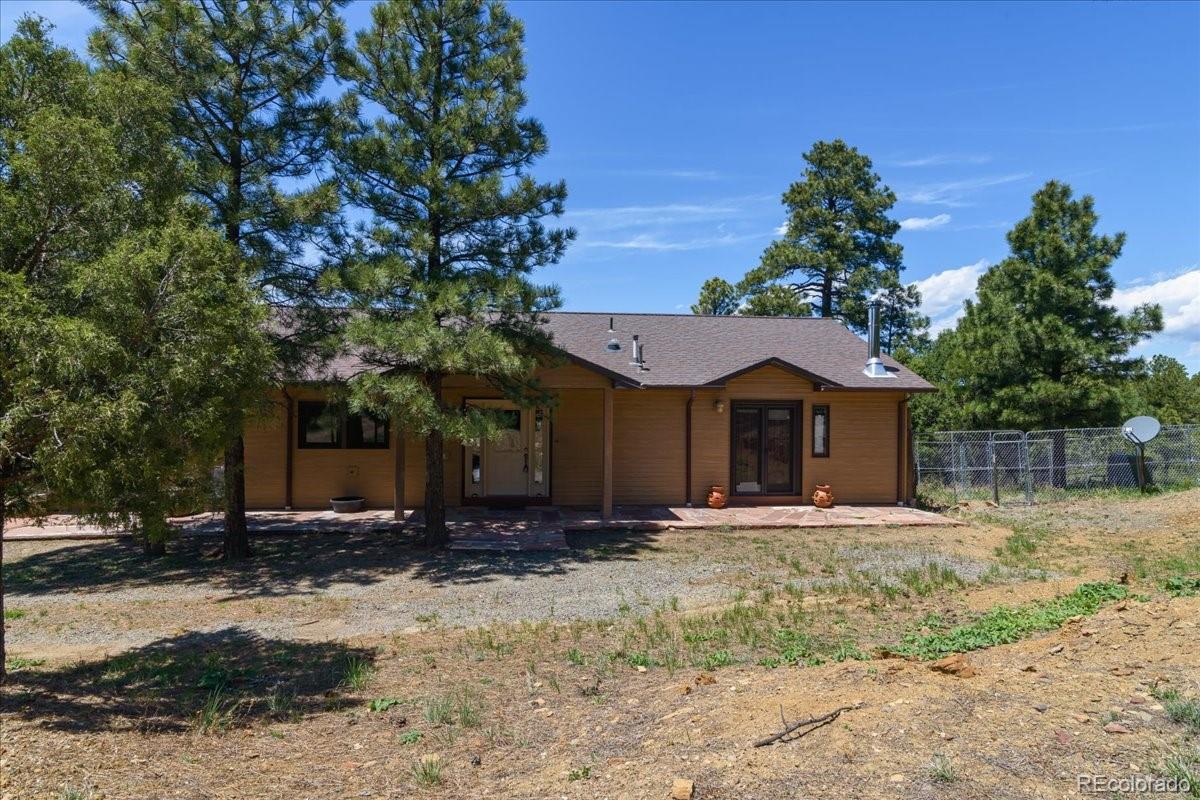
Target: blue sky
678 125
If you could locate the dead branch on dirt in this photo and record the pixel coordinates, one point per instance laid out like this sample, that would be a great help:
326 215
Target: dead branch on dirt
816 722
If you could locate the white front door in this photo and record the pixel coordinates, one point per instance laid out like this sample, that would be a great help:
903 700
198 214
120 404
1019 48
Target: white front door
506 458
515 463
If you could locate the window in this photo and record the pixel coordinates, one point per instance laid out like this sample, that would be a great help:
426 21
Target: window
319 425
763 444
324 426
820 437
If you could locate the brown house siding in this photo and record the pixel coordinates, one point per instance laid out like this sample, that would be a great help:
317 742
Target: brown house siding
648 446
866 446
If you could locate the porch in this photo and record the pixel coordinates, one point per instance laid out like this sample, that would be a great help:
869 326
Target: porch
520 529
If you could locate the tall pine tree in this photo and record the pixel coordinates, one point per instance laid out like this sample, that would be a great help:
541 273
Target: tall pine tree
838 248
1041 347
440 279
244 76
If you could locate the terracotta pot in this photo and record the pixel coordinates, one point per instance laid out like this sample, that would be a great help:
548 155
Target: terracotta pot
716 497
823 496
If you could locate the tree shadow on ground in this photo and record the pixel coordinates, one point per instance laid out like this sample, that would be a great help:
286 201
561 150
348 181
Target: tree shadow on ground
204 682
294 564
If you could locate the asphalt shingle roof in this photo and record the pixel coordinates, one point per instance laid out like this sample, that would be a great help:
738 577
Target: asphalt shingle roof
691 350
686 350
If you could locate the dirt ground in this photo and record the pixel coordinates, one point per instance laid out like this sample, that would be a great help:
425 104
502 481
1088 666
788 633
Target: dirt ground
632 689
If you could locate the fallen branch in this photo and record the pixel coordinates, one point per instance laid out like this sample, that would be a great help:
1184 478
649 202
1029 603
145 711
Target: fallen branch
815 722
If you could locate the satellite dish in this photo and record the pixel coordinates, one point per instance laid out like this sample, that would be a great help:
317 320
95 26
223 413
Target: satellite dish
1140 430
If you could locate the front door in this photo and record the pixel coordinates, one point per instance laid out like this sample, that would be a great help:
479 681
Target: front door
506 458
514 464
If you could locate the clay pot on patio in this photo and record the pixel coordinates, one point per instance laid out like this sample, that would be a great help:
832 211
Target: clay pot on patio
716 497
348 504
823 496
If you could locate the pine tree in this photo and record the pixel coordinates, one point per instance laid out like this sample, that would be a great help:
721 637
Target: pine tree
244 77
128 339
903 329
838 247
440 280
1167 393
717 296
1041 347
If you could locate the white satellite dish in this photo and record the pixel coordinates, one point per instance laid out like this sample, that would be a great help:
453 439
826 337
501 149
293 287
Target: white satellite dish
1140 430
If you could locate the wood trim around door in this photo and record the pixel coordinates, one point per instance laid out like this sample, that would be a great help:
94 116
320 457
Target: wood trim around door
797 407
507 501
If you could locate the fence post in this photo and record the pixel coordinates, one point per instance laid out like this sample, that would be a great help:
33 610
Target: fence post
1024 446
995 477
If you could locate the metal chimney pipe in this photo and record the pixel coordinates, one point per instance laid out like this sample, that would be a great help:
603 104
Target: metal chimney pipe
873 329
874 367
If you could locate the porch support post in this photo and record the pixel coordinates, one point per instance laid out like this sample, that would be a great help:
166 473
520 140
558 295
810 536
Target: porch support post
288 444
398 473
606 502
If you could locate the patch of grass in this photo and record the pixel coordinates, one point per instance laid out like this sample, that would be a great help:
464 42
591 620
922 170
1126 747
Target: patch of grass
941 769
217 713
1020 546
463 707
381 704
1180 708
1005 624
357 672
74 793
579 774
575 656
428 770
934 577
717 659
1185 768
14 613
410 737
1182 587
16 663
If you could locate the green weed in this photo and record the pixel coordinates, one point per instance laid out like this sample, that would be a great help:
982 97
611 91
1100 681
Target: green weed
428 770
1005 624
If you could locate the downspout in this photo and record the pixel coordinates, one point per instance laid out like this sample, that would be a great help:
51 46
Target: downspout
901 460
687 450
287 492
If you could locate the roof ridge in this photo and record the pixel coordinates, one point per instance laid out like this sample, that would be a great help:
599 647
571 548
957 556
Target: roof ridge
676 314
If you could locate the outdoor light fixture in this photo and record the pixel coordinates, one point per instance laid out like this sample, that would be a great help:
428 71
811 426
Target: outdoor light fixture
719 405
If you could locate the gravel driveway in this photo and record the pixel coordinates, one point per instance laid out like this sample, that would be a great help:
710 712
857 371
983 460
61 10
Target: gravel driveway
106 593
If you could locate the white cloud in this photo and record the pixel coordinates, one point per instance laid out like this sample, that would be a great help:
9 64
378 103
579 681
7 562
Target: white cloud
1179 297
629 216
924 223
781 230
943 293
943 159
955 193
647 241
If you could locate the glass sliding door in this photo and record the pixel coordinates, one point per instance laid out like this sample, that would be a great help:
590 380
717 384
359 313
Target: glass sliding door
764 448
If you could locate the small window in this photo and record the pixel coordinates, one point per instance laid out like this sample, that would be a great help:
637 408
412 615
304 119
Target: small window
820 438
323 426
319 425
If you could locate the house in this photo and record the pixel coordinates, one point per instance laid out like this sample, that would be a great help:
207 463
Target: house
651 409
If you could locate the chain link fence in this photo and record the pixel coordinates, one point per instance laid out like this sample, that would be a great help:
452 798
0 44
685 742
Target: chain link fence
1019 467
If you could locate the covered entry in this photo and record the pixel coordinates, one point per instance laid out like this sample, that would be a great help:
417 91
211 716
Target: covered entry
515 466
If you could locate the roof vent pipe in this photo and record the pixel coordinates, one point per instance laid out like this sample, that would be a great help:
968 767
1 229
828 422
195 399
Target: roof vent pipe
875 367
639 360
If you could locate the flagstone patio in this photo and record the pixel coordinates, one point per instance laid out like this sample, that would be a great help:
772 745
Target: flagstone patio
526 529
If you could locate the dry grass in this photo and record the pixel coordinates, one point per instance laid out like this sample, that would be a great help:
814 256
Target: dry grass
620 705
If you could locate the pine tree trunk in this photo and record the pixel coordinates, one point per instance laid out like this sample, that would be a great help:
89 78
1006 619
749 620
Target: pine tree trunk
237 540
827 296
3 498
436 534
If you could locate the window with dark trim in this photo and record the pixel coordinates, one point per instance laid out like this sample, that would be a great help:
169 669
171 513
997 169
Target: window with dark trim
764 448
323 426
820 432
